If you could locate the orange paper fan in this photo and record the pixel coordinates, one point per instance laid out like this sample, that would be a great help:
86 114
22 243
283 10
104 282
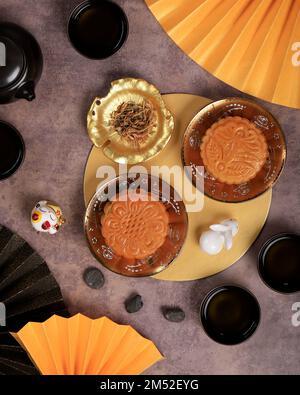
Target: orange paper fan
253 45
80 345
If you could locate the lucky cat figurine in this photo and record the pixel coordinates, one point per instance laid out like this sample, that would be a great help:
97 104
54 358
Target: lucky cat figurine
47 217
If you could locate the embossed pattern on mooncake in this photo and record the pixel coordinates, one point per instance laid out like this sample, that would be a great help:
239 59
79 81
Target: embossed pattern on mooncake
135 228
234 150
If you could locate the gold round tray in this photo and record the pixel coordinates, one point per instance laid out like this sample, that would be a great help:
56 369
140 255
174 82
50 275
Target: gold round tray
192 263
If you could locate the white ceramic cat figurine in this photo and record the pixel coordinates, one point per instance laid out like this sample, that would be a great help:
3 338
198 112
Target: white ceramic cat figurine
47 217
213 241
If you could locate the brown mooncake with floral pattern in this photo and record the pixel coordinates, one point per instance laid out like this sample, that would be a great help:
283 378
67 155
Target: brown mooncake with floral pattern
136 227
234 150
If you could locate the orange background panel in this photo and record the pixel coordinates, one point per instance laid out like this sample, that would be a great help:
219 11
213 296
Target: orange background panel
246 43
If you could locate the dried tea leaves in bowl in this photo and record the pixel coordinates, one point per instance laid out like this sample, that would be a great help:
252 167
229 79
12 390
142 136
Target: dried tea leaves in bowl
134 121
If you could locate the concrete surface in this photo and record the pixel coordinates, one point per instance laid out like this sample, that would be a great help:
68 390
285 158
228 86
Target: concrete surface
53 127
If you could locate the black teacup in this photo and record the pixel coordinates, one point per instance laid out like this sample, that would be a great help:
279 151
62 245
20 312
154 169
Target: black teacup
98 29
279 263
230 314
12 150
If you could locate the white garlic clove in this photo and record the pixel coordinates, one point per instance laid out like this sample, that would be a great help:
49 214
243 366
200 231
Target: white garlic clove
233 224
228 239
212 242
220 227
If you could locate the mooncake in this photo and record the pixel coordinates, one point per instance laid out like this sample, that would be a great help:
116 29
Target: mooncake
135 228
234 150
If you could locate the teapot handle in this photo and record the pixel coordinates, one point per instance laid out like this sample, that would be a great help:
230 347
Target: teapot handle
26 91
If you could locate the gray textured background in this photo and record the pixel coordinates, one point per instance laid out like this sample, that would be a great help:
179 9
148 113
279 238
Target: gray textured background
57 148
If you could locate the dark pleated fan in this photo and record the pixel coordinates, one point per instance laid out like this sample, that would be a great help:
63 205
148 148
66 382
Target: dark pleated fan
29 292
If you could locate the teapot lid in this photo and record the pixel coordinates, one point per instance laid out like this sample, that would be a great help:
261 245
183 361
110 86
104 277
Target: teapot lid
15 63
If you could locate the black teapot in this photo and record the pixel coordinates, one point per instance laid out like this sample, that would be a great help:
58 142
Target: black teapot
21 63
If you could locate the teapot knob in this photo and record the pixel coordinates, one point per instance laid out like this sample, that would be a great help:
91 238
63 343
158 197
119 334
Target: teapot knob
26 91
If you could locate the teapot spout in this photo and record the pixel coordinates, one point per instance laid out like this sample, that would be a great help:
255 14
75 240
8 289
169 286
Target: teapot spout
26 91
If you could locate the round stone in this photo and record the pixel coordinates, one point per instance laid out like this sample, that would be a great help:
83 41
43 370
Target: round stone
173 314
134 304
93 278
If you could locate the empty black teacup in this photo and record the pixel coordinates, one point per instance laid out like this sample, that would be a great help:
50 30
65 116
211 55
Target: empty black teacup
279 263
12 150
98 29
230 314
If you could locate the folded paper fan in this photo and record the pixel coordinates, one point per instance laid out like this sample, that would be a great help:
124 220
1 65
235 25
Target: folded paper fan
13 359
253 45
80 345
28 291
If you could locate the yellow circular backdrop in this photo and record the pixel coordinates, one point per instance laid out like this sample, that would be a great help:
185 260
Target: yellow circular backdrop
192 263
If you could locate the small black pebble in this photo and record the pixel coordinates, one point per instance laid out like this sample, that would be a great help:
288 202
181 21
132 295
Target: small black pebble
134 304
173 314
93 278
